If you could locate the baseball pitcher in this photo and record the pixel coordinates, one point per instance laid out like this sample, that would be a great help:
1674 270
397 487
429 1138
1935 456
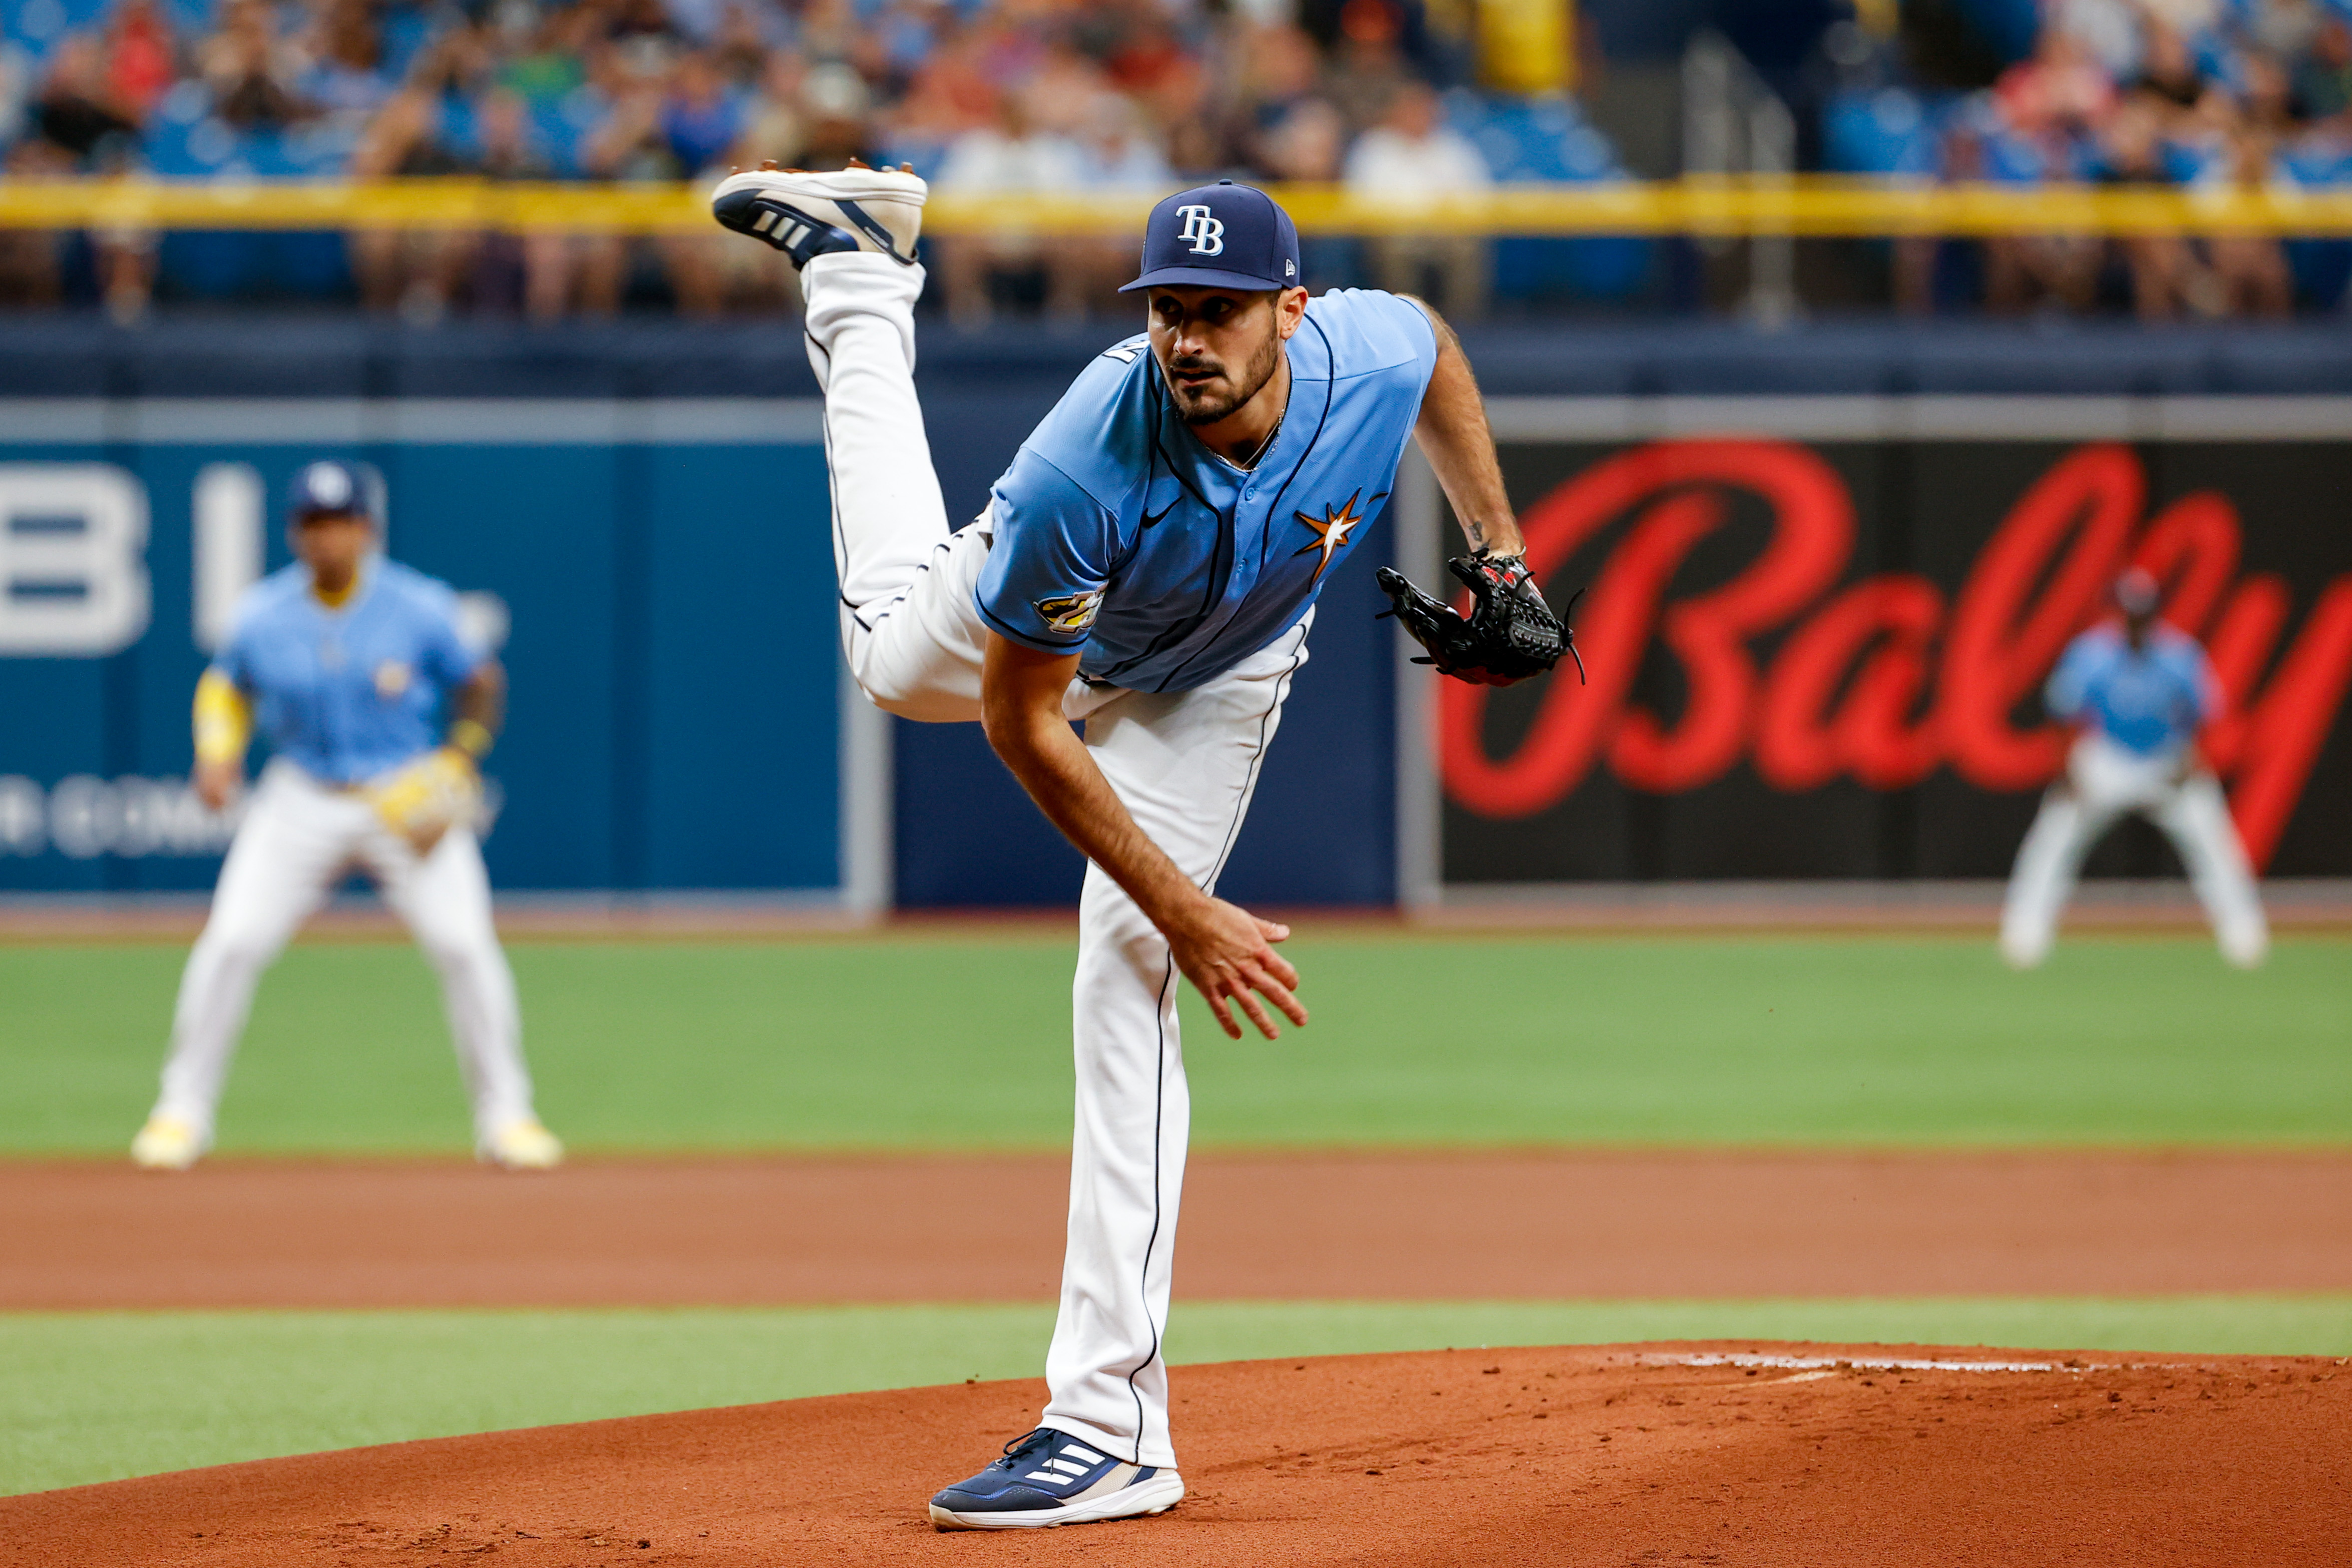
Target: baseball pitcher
2139 693
347 661
1148 566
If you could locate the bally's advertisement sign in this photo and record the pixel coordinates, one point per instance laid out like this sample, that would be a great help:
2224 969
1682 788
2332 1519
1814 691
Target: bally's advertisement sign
1818 630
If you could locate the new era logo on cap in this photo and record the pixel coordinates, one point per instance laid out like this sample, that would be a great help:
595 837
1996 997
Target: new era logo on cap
1219 237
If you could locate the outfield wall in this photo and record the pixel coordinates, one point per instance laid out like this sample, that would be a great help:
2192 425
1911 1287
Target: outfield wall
1799 668
1819 628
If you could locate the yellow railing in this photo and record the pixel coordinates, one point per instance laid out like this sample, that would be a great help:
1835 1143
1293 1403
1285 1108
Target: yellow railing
1815 205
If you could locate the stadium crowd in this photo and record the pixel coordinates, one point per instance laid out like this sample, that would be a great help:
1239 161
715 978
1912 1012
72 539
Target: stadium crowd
1132 96
2183 93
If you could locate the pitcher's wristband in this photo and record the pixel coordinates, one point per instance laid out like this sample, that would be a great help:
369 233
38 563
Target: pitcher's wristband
472 737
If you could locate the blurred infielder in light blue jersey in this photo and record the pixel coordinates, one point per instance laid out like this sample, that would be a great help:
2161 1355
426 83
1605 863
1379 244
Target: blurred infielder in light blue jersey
1148 566
2140 693
377 712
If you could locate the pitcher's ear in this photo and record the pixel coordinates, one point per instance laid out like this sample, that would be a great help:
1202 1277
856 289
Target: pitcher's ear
1289 310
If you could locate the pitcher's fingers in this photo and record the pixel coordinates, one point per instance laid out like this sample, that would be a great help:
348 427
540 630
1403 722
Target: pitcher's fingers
1224 1017
1281 968
1273 931
1249 1003
1276 993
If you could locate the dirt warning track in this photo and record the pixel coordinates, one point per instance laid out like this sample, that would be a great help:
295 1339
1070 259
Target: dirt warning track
1625 1456
1385 1225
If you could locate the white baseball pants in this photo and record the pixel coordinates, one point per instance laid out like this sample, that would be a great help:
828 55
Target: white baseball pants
298 840
2103 782
1183 763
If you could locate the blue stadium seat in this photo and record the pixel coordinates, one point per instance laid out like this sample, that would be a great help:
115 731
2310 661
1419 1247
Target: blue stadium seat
2007 28
1549 141
2322 267
403 35
1889 131
38 24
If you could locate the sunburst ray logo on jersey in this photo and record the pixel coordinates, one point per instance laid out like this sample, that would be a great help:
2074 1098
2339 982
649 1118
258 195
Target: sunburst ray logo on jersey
1071 612
1332 529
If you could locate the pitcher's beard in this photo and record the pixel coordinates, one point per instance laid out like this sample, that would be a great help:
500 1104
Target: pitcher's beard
1209 408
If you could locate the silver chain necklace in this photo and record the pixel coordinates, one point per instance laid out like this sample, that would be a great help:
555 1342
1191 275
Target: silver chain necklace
1263 446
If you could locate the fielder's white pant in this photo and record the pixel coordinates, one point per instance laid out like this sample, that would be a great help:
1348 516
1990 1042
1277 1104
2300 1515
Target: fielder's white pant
298 840
1183 763
2103 782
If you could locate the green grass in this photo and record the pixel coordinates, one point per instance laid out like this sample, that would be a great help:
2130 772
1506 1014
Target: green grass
933 1042
95 1396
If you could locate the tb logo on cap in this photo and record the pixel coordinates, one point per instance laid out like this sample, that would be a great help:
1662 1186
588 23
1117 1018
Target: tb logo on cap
1206 233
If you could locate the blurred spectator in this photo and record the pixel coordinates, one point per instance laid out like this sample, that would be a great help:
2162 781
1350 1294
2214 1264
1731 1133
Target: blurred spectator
140 56
413 270
2250 272
951 94
630 143
2165 276
2266 94
250 70
544 60
1368 67
2042 111
701 117
1307 145
2107 37
1011 156
77 111
745 42
701 120
85 128
2168 67
1119 158
2323 74
2276 27
1060 91
533 272
1277 71
346 76
28 258
1411 159
774 129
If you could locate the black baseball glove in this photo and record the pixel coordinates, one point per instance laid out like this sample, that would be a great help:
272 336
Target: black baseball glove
1511 634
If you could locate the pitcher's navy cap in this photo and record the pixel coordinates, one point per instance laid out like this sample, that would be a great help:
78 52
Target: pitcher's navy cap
1219 237
329 488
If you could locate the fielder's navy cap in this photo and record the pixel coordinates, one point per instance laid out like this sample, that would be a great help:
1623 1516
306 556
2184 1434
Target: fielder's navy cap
1219 237
329 488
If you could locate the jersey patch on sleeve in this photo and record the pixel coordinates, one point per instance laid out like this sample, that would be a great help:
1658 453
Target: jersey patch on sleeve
1068 613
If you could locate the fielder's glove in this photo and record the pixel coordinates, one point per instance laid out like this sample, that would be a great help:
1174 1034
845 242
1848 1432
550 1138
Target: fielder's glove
428 797
1510 635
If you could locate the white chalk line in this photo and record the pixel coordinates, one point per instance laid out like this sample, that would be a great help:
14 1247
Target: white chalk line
1893 1363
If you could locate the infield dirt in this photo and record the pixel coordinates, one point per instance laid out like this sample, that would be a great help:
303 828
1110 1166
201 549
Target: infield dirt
1365 1226
1625 1456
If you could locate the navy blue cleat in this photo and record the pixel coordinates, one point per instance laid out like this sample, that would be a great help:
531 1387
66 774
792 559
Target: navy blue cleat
806 215
1050 1478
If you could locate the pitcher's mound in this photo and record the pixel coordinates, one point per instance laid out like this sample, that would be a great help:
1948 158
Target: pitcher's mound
1746 1454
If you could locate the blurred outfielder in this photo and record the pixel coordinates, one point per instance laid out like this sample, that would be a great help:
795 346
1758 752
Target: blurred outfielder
2139 693
1147 566
348 660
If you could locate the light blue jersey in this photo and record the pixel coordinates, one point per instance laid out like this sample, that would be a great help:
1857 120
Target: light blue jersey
1119 534
348 694
2151 703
